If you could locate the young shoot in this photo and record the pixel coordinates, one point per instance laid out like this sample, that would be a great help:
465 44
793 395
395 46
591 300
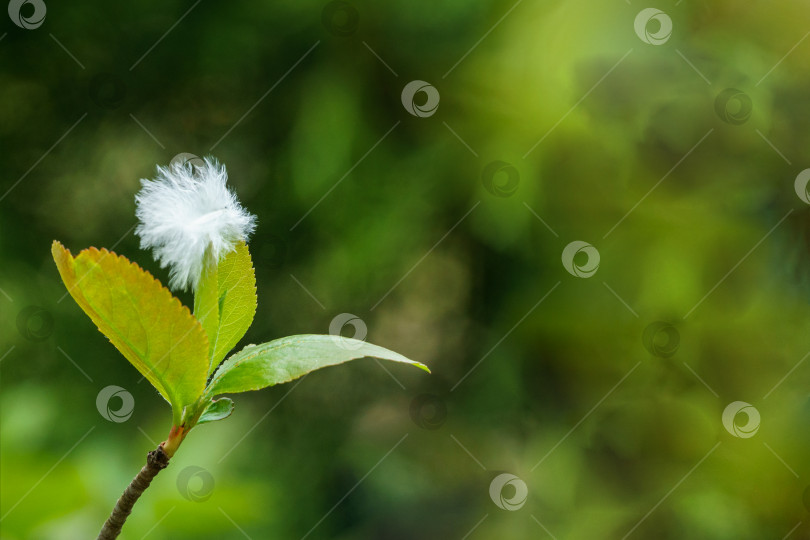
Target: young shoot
196 227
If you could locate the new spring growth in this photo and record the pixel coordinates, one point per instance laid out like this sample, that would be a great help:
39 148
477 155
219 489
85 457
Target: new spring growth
190 219
195 226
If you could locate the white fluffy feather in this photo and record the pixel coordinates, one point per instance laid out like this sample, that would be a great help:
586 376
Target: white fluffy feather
185 211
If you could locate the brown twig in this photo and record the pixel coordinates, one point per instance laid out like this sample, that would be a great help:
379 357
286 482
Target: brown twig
156 461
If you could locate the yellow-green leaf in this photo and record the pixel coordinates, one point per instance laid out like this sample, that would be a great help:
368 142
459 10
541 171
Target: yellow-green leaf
225 302
151 328
285 359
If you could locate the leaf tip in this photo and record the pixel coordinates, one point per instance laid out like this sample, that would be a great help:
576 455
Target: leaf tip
57 249
422 366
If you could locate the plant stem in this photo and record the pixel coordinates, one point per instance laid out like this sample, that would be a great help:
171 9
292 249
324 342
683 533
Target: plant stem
156 461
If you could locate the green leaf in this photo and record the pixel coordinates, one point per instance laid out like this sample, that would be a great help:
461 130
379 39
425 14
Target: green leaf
151 328
225 302
285 359
217 409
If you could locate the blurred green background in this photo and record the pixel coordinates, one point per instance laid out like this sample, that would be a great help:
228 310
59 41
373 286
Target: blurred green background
361 204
